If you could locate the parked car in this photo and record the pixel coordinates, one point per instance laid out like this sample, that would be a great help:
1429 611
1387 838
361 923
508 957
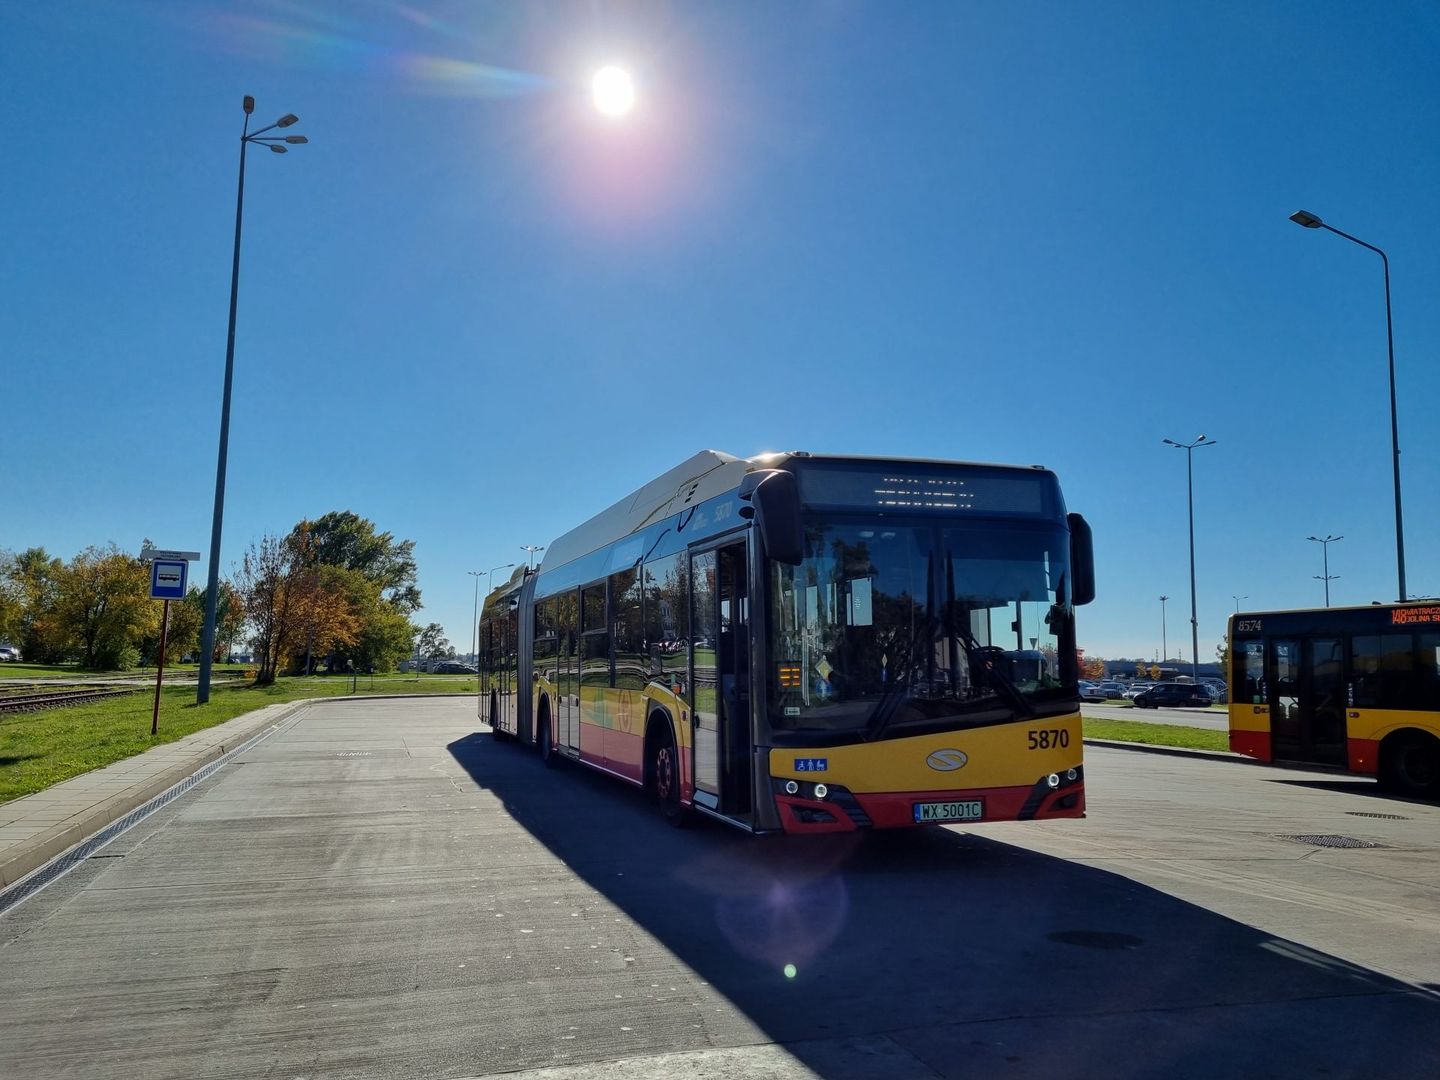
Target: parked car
451 667
9 653
1173 696
1113 689
1091 692
1136 689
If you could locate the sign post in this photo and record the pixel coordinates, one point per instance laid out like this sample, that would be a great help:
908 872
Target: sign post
168 573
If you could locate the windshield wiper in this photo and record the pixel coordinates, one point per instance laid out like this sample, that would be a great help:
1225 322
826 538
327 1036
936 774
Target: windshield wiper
885 708
985 658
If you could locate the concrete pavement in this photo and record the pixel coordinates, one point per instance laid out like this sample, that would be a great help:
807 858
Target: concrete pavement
377 890
35 828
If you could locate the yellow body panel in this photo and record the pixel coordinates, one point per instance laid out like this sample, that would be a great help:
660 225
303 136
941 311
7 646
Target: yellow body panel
1377 723
998 756
1247 717
1373 724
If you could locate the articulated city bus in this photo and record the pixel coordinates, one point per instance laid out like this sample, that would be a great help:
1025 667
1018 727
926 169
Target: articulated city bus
808 644
1356 688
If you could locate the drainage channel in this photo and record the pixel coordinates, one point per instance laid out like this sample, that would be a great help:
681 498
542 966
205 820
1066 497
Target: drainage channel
57 867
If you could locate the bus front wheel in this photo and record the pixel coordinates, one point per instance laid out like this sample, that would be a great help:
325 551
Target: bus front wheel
665 776
1410 764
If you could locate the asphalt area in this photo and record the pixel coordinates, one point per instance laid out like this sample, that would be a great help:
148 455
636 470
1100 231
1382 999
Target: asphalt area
379 889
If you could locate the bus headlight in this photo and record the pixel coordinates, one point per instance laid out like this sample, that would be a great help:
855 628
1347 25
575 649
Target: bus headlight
791 787
821 791
1071 774
1053 780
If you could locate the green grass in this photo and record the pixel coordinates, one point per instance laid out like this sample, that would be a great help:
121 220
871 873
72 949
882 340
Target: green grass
1138 731
43 748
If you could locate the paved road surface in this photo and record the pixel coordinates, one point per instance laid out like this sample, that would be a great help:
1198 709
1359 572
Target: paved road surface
1214 719
375 891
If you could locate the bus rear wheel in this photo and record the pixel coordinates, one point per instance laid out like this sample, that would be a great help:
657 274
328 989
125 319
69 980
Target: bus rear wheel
545 745
1410 765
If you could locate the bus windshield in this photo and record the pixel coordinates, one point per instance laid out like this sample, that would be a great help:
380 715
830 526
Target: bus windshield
889 627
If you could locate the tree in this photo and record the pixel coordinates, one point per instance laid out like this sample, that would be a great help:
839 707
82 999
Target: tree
12 605
433 642
229 619
263 587
103 607
1093 668
345 539
182 637
34 576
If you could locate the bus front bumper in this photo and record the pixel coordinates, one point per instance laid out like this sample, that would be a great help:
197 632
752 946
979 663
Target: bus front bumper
845 811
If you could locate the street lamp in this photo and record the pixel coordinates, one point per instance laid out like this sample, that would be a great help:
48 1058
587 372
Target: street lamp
1310 221
1164 640
532 550
1237 600
475 619
1190 496
1325 548
278 144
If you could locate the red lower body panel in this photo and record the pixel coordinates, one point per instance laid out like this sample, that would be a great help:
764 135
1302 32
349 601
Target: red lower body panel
1254 744
1364 755
896 809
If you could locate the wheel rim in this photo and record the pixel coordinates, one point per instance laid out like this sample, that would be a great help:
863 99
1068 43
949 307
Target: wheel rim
664 773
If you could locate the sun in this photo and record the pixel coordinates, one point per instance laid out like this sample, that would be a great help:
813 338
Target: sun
613 92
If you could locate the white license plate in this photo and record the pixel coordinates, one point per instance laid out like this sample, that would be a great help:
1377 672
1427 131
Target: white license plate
966 810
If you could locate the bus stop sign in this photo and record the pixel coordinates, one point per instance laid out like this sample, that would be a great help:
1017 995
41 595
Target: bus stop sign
167 579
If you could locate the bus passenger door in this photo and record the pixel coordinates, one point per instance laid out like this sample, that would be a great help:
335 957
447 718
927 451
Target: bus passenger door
720 686
1322 701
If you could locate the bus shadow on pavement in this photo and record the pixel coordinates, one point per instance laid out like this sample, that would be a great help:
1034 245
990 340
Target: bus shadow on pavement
951 953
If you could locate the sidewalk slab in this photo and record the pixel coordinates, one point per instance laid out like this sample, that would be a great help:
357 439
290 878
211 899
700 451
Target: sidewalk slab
35 828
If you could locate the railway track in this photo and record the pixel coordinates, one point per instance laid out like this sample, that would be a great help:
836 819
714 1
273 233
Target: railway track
56 698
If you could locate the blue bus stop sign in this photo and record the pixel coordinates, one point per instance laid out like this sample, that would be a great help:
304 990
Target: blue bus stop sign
167 579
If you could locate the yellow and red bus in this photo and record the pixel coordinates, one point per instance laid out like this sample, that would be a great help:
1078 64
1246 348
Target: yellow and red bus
802 643
1356 688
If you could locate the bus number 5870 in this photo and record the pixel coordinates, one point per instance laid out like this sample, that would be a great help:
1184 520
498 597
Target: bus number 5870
1048 738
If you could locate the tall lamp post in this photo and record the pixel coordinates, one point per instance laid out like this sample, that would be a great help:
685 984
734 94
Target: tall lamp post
1310 221
1164 638
277 145
475 619
1237 600
531 550
1325 548
1190 496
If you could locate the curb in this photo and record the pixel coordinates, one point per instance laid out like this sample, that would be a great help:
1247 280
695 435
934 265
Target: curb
32 854
1173 751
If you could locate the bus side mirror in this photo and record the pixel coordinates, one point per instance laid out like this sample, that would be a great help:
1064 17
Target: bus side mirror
774 500
1082 561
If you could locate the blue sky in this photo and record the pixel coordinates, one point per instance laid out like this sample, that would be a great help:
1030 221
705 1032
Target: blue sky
475 311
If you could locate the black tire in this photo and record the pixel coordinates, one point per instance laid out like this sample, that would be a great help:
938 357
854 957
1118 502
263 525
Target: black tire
546 745
1410 765
664 768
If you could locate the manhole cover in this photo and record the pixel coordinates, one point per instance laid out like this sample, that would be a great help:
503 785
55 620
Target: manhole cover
1385 817
1330 840
1096 939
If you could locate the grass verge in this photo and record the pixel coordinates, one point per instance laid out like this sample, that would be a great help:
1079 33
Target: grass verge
38 749
1138 731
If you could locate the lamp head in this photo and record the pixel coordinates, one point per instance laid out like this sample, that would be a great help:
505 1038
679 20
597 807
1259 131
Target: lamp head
296 140
287 120
248 104
276 148
1307 219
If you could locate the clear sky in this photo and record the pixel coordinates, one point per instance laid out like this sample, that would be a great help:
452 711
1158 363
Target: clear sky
475 311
